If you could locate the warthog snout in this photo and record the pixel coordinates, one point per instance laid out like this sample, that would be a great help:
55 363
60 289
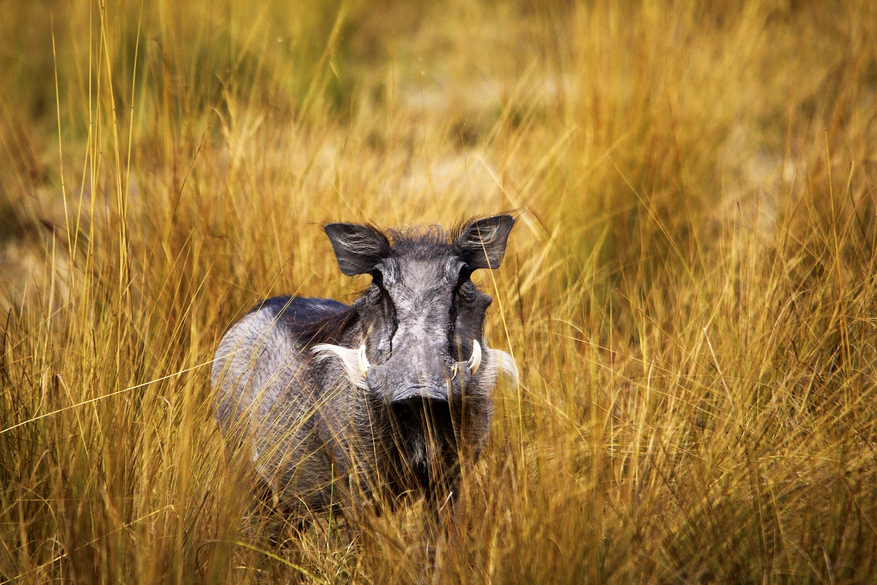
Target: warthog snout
388 394
401 380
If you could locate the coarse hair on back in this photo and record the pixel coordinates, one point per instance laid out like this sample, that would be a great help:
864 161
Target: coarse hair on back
328 329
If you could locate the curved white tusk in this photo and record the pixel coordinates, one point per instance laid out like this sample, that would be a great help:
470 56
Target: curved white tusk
475 359
363 361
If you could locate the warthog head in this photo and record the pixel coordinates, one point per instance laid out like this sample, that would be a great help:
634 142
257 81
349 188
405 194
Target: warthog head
423 359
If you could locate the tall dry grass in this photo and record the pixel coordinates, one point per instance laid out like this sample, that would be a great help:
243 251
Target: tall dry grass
690 291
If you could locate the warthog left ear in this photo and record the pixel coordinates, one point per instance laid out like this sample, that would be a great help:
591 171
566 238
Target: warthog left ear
482 243
357 247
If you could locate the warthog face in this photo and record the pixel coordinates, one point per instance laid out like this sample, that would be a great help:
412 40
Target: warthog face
405 373
423 320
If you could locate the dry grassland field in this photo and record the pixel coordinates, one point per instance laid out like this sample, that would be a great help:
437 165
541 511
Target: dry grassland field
689 291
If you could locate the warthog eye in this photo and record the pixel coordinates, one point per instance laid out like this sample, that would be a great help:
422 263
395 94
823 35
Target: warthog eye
465 275
377 278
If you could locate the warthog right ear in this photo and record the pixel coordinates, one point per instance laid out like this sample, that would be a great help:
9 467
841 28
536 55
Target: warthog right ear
482 243
357 247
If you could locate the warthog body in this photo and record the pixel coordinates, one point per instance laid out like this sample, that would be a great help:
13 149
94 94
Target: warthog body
380 398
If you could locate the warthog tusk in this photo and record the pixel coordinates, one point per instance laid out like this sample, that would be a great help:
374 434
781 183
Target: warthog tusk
363 361
475 359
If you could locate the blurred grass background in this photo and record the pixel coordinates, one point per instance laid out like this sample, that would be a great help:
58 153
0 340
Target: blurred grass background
689 293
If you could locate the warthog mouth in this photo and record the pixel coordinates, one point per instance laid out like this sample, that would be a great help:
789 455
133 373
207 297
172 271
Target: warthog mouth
417 404
424 434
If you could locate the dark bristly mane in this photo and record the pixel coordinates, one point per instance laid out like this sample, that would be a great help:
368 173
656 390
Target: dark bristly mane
328 329
311 321
425 235
429 236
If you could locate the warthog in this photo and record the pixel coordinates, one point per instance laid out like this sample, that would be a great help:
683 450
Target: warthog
381 398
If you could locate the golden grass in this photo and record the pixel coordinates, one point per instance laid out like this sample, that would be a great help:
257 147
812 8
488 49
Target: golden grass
689 293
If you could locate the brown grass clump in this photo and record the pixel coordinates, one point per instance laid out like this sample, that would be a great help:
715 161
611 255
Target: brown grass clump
690 292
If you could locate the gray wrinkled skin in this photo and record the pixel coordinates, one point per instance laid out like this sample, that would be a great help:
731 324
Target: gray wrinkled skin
382 398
